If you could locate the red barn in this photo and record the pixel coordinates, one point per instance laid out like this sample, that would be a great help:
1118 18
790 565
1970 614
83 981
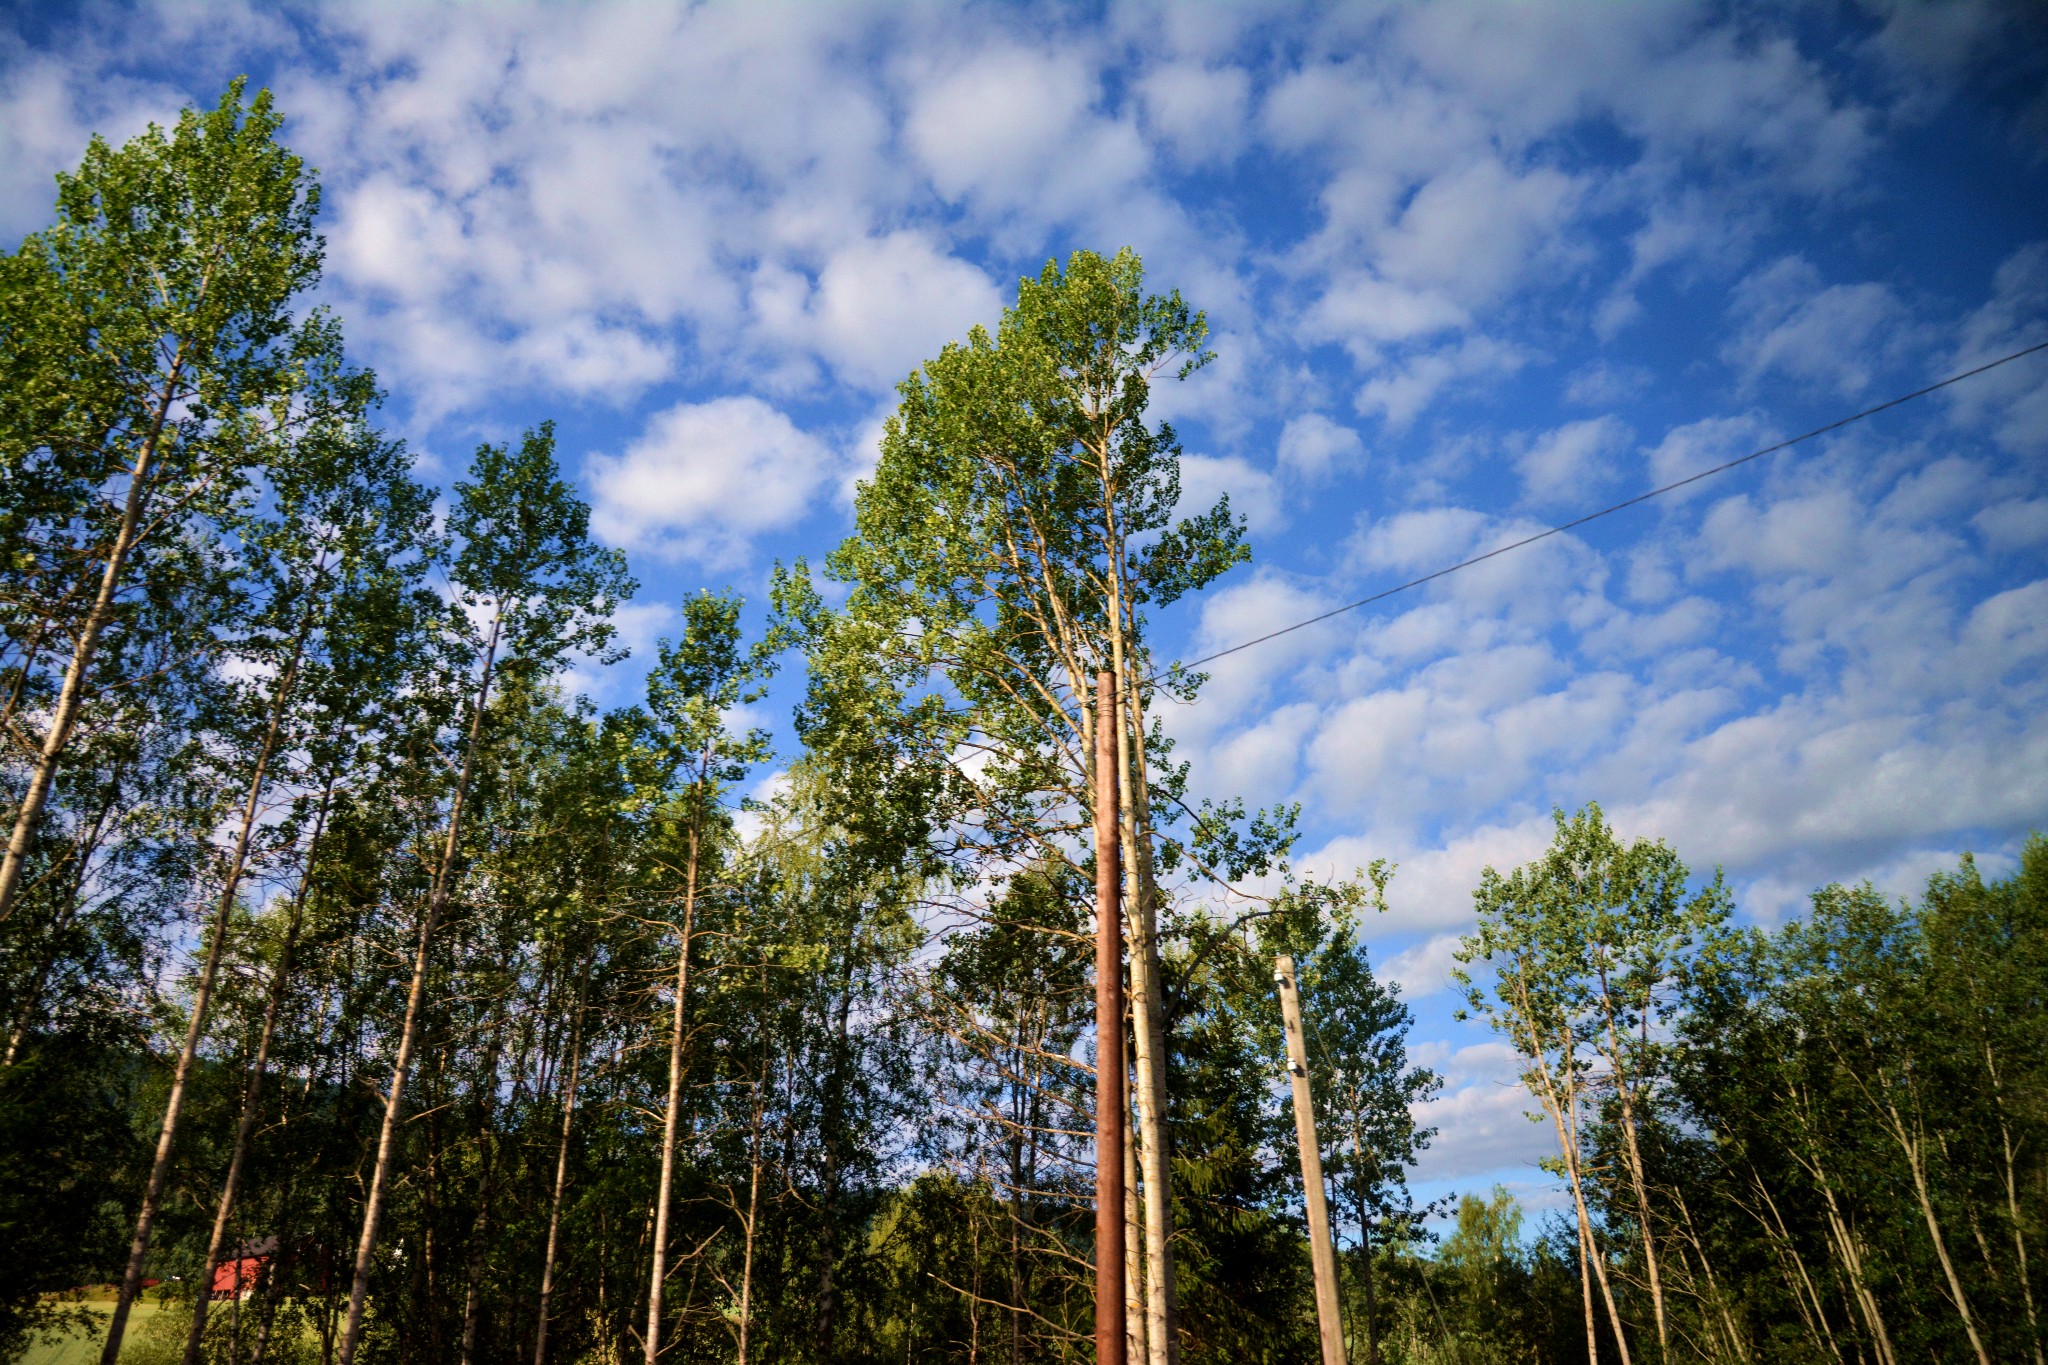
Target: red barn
236 1277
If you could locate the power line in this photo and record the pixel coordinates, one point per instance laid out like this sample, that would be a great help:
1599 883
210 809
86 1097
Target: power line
1561 528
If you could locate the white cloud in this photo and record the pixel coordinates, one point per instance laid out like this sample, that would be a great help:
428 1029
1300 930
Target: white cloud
1841 334
1400 397
590 357
636 626
1605 382
2012 400
48 108
1698 446
1482 1115
1467 733
1475 231
2007 631
704 477
1252 492
1423 968
1434 878
1426 539
1199 112
1014 130
1361 311
1563 466
1231 614
885 305
1312 448
2015 524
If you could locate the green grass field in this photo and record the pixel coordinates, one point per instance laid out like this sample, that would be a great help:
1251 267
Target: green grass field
84 1348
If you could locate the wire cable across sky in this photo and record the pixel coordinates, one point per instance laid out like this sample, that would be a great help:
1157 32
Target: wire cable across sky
1625 503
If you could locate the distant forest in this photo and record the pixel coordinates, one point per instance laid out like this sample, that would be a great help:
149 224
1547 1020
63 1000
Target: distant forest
352 966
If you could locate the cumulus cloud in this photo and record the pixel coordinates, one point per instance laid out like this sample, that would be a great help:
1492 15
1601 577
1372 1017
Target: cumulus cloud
703 477
1231 614
1842 335
884 305
1362 312
1401 395
1562 466
1473 232
1019 130
1312 447
1482 1115
1252 493
2014 524
1198 112
48 108
1423 968
2011 401
1698 446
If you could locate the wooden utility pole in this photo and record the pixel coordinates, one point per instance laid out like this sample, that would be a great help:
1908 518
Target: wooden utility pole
1109 1040
1322 1253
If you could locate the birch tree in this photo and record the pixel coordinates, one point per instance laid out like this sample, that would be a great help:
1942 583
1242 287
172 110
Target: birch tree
1021 523
686 755
154 359
530 588
1586 946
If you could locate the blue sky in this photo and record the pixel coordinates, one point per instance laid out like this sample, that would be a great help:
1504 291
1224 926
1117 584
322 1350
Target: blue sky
1471 268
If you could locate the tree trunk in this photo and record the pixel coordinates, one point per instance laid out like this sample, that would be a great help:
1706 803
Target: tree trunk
238 861
834 1116
1736 1345
67 915
408 1036
273 1294
252 1090
547 1265
1803 1289
2012 1200
753 1221
72 692
1148 1015
1916 1162
1372 1340
1564 1108
1638 1181
1019 1115
473 1279
1844 1241
677 1033
1137 1342
19 687
472 1293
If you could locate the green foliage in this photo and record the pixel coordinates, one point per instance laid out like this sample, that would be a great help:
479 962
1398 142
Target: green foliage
68 1159
526 558
156 368
1020 520
1823 1142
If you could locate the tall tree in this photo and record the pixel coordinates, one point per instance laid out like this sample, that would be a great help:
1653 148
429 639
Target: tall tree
530 588
1366 1089
337 552
1020 523
1586 945
686 756
153 360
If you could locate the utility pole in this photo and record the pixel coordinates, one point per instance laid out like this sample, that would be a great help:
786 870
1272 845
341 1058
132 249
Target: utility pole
1109 1040
1322 1253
